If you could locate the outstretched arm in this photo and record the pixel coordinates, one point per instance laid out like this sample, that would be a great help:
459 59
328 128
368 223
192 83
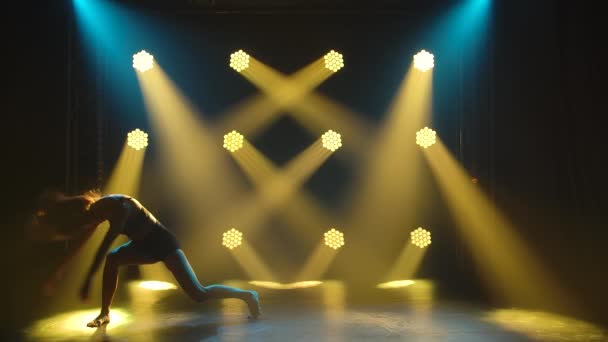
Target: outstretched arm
101 252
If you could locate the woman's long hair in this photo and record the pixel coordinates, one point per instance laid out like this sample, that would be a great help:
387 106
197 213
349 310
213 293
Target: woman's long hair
59 216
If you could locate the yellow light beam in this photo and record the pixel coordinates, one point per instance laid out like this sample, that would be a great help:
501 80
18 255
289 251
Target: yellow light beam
301 211
251 263
334 304
408 262
195 166
126 175
294 93
280 91
318 262
286 90
511 270
316 112
272 192
250 116
258 168
391 191
124 179
192 158
305 216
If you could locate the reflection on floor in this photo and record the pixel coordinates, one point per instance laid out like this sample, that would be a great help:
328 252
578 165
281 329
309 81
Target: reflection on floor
320 313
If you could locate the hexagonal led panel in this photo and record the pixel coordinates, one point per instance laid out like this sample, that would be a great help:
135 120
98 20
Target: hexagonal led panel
143 61
232 238
421 237
233 141
239 60
137 139
426 137
334 238
333 61
331 140
424 61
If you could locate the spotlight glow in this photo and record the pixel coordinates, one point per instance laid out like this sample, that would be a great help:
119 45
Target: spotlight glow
333 61
290 286
156 285
395 284
73 325
426 137
143 61
424 61
334 238
137 139
233 141
421 237
232 238
546 326
331 140
239 60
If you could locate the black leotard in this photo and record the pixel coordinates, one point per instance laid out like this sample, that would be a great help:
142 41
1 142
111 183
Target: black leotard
157 243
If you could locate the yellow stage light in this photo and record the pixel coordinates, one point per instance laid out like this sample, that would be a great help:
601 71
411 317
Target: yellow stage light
424 61
426 137
334 61
137 139
143 61
232 238
233 141
334 238
421 237
239 60
157 285
331 140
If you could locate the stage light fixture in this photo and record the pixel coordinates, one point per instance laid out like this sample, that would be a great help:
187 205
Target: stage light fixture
143 61
426 137
137 139
334 238
233 141
421 237
333 61
232 238
424 61
239 60
331 140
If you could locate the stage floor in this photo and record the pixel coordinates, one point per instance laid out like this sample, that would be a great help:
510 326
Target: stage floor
321 313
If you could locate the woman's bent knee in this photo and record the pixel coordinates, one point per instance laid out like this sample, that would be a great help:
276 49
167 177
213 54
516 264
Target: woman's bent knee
199 294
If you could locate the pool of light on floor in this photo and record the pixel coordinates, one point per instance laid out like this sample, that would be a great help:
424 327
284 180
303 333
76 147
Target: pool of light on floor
73 324
289 286
545 326
395 284
156 285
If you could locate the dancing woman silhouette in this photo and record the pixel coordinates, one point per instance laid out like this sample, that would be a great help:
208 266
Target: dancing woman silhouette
76 217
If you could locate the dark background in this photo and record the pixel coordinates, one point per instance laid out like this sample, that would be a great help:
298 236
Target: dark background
525 120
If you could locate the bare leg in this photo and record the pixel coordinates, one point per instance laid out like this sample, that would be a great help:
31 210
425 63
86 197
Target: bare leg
125 254
178 264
